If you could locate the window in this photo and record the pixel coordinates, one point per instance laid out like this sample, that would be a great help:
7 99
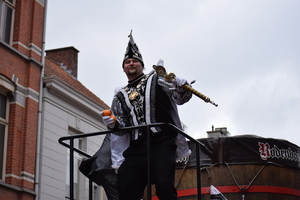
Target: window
6 88
79 179
6 18
3 125
77 160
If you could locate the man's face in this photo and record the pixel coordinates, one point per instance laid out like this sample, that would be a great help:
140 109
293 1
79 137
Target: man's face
132 68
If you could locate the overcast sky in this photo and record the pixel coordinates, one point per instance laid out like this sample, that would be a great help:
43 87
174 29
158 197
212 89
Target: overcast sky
244 55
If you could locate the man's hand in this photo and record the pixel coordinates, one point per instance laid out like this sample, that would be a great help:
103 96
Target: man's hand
178 82
108 119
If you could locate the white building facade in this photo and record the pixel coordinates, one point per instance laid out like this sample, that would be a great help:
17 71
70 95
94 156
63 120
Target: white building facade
68 108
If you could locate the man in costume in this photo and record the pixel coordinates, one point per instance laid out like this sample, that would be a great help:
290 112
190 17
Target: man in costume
146 99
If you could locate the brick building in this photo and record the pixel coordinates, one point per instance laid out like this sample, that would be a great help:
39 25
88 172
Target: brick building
41 100
21 64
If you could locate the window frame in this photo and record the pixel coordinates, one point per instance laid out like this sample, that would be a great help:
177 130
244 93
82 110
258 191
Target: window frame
4 4
78 143
79 180
3 136
6 86
3 142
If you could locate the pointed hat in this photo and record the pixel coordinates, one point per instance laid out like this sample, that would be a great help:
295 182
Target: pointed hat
132 51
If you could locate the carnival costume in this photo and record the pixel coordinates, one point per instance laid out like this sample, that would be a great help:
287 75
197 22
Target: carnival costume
147 85
147 99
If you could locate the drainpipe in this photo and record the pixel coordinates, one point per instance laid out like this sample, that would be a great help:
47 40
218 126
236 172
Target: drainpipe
39 128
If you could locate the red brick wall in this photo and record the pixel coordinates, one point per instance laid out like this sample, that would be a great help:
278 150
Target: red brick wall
28 27
23 63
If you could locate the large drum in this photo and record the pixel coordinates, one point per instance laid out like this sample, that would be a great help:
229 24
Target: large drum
242 167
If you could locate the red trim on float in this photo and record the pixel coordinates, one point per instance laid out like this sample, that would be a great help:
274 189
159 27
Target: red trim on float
235 189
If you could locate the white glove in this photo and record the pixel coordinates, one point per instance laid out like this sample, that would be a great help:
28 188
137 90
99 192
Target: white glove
109 121
160 62
178 82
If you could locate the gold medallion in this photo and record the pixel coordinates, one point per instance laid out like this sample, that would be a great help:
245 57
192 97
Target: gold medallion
133 95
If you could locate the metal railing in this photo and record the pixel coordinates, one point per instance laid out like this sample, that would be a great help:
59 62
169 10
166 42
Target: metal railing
148 126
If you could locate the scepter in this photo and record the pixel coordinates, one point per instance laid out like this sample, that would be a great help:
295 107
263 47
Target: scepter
161 71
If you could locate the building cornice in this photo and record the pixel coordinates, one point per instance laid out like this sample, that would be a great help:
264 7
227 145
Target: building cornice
69 94
15 51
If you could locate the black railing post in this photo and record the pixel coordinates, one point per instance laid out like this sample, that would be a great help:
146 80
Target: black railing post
198 171
90 189
72 168
148 164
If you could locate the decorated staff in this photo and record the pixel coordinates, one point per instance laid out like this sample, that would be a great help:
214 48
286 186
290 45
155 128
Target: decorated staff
169 77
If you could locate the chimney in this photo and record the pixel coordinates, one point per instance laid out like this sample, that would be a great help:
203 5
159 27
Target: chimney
66 56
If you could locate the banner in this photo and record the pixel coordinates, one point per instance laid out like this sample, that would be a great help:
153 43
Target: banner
245 149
